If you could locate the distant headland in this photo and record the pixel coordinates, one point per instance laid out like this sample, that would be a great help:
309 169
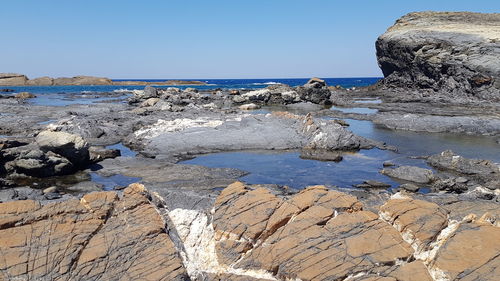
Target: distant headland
14 79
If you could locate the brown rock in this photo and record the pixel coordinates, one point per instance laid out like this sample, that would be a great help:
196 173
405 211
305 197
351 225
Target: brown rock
414 271
100 237
317 234
24 95
82 80
471 253
41 81
12 79
315 82
422 221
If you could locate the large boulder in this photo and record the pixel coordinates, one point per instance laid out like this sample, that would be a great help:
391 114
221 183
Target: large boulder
454 53
410 173
314 94
12 79
70 146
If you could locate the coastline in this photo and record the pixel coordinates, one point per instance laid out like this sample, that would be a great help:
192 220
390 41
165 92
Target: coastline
395 181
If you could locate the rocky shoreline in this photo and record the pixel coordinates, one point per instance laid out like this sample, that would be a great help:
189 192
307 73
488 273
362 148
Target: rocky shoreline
14 79
193 222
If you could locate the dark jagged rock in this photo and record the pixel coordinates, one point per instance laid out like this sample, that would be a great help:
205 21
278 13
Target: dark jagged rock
455 54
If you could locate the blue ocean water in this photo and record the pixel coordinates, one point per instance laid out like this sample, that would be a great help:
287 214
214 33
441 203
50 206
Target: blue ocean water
67 95
211 84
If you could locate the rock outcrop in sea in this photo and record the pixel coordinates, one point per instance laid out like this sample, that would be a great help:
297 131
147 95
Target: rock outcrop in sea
14 79
455 54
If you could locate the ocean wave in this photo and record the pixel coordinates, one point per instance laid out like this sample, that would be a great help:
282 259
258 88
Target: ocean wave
267 83
126 91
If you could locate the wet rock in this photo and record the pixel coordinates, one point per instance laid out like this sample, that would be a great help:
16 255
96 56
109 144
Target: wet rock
173 138
172 175
388 164
85 187
410 173
376 184
473 125
433 51
30 161
234 92
20 193
101 237
321 155
72 147
97 154
409 187
450 185
24 95
483 170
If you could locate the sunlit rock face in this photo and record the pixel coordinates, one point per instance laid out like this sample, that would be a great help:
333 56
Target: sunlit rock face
454 53
249 233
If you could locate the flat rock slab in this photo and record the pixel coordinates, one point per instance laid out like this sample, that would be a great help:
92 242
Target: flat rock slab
410 173
277 131
100 237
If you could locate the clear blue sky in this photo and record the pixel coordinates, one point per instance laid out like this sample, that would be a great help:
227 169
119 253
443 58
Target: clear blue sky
203 39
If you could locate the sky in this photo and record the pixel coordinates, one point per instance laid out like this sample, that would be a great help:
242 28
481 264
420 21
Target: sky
203 39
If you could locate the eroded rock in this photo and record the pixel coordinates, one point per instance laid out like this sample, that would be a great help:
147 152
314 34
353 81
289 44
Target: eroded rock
100 237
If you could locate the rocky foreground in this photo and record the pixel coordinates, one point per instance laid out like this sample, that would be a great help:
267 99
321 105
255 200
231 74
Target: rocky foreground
250 233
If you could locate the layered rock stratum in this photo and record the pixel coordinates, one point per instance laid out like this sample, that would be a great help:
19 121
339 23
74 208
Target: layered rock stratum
454 53
249 233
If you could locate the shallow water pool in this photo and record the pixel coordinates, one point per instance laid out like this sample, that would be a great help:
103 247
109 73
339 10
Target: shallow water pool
359 110
287 168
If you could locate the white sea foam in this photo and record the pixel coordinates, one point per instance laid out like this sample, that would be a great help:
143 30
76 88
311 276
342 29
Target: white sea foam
267 83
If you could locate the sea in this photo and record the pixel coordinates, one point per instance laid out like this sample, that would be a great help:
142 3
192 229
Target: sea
210 84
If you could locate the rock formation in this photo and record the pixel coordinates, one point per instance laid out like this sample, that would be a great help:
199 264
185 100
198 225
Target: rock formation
251 233
99 237
8 79
13 79
456 54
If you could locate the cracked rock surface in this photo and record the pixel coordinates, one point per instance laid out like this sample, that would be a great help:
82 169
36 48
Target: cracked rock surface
249 233
100 237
